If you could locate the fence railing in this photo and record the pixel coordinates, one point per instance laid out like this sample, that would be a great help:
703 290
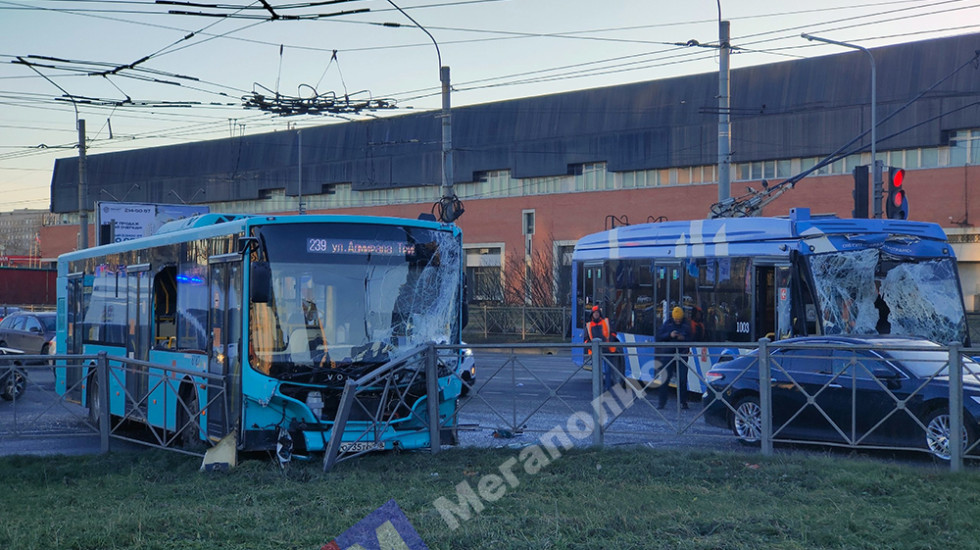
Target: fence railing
896 396
518 323
68 395
881 395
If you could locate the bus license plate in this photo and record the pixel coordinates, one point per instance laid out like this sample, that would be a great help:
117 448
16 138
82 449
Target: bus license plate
361 446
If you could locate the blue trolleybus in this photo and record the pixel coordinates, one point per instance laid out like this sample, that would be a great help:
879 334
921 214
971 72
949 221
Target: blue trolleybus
283 308
744 279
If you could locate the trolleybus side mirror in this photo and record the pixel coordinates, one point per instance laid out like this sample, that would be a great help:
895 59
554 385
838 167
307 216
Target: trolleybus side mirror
260 286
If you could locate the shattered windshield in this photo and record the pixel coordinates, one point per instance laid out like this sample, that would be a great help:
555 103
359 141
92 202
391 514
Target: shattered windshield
869 291
352 296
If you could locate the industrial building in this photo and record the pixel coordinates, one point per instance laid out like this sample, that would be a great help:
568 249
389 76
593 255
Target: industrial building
536 174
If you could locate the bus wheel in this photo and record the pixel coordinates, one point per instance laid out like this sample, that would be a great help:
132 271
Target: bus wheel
747 420
94 401
188 428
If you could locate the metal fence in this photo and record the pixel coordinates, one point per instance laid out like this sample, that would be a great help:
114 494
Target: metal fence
884 395
518 323
42 409
895 396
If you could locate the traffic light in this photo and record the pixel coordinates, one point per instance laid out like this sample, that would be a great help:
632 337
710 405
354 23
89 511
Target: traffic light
897 204
860 192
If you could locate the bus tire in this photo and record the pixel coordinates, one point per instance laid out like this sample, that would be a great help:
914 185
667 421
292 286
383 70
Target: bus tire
188 424
94 400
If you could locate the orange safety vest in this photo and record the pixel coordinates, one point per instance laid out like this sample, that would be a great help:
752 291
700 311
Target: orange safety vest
606 334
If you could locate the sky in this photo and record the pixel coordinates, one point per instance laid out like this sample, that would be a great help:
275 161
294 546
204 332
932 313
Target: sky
141 76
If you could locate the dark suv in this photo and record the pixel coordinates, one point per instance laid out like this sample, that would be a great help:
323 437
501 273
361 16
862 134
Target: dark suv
31 332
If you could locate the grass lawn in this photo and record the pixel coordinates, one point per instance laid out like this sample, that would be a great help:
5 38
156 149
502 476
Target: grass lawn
612 498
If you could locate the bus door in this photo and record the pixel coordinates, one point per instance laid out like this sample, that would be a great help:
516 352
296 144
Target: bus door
668 291
224 355
73 344
138 333
772 304
594 289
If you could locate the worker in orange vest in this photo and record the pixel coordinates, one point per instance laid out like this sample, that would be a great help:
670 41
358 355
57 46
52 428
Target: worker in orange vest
598 327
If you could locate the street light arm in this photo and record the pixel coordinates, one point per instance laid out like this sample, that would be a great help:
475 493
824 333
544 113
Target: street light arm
876 178
425 30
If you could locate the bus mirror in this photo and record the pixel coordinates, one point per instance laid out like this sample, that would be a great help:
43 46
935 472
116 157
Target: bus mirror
247 244
260 286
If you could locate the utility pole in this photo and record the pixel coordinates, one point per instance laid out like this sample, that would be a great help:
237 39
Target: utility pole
724 120
299 156
447 135
82 212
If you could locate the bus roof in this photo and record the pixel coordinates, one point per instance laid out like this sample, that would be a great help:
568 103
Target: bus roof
216 224
751 236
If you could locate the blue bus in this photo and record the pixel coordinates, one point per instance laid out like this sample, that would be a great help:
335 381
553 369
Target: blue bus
283 308
744 279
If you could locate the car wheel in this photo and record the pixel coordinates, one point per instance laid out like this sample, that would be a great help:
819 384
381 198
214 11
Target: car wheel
747 420
467 382
14 383
938 434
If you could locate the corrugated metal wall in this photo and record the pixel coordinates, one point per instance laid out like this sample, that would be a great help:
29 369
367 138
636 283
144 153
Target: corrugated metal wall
785 110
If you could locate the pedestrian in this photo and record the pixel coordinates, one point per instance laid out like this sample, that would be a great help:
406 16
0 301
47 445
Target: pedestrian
598 328
675 329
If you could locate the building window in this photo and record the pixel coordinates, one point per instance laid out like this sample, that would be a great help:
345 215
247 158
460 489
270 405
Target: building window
528 228
484 273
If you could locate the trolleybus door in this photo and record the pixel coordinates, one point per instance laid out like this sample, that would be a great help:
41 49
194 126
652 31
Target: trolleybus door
668 290
594 287
225 293
138 281
772 302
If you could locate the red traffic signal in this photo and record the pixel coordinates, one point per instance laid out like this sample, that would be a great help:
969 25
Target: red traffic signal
897 204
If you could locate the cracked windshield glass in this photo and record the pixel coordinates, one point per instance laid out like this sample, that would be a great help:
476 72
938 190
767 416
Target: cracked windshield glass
351 298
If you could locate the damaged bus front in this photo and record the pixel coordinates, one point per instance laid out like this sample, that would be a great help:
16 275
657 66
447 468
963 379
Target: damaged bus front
334 302
742 279
253 325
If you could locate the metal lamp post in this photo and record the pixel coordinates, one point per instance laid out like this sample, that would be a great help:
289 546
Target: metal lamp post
875 166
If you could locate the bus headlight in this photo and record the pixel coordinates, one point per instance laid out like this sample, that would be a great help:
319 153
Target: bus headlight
314 400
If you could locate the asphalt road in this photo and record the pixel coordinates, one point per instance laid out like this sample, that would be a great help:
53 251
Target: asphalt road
518 397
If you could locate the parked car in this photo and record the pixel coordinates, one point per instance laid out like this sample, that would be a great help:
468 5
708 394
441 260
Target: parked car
12 380
877 396
465 367
466 370
30 332
7 310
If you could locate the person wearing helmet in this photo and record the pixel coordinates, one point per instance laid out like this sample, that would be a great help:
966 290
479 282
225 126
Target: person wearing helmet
675 329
